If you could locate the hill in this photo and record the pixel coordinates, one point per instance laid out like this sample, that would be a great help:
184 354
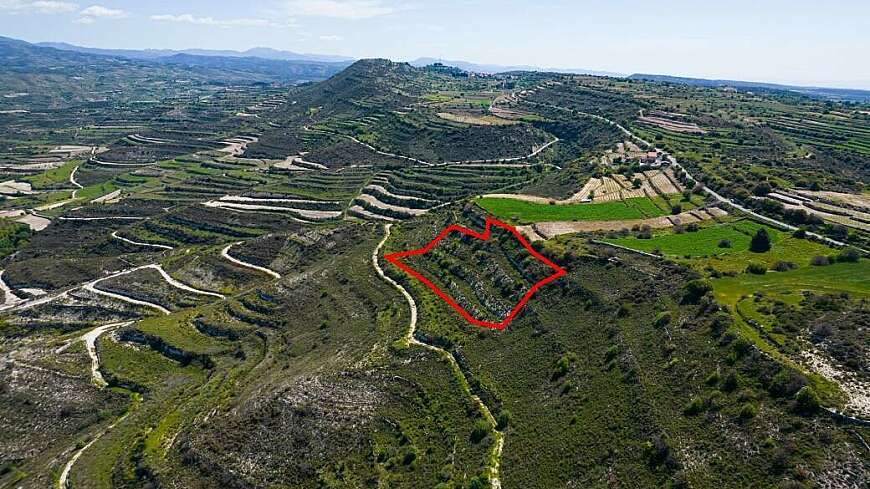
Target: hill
200 282
492 68
845 94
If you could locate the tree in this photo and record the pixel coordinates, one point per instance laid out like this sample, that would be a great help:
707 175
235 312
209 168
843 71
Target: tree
760 242
762 189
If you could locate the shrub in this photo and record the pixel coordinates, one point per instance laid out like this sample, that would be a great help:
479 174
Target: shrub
695 289
409 458
724 243
807 400
741 346
645 232
760 242
713 378
481 429
563 365
748 411
800 234
756 268
505 418
849 255
784 266
662 319
730 383
676 209
692 227
761 189
786 383
820 261
695 406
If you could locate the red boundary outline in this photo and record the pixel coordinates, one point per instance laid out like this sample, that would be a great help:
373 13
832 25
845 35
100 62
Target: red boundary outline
396 259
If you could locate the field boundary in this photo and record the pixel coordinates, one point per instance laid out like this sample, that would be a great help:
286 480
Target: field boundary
558 272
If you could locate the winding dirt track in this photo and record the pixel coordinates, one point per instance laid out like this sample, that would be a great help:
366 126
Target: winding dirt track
506 159
90 339
63 480
91 286
72 180
139 243
409 339
9 297
226 254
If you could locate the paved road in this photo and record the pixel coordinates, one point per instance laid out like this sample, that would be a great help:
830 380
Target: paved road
709 191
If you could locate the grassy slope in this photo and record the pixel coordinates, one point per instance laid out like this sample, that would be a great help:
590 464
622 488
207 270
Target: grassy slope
625 382
701 249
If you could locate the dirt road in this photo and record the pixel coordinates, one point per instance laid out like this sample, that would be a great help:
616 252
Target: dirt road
226 254
410 340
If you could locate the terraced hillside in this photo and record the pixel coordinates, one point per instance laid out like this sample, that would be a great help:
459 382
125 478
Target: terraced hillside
195 291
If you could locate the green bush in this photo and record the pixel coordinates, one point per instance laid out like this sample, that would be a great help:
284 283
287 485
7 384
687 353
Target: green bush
849 255
784 266
730 383
713 378
662 319
760 242
481 429
695 406
695 289
756 268
748 410
505 418
807 400
479 482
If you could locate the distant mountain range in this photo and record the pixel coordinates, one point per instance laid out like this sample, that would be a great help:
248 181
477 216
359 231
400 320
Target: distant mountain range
846 94
270 61
153 54
20 57
492 69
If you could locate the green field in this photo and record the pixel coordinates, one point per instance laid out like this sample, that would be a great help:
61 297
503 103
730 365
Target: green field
704 242
852 278
52 177
526 212
702 249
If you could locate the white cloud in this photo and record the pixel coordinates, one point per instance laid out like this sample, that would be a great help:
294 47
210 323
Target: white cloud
104 12
39 7
331 38
341 9
84 20
211 21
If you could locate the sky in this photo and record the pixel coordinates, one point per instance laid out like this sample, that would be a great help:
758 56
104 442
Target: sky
795 42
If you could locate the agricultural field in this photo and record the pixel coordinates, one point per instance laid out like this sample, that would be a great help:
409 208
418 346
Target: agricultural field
200 286
526 212
726 247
